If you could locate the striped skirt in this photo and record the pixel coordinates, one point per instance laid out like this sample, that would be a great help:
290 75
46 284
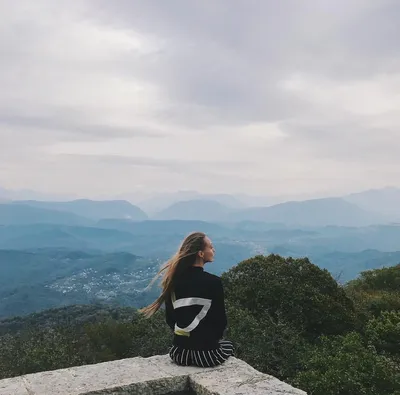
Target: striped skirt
204 359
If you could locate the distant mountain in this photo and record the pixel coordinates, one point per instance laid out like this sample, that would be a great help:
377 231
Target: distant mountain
347 266
93 209
316 212
156 202
42 235
331 239
20 214
385 201
147 238
167 227
161 238
35 280
159 202
260 200
227 200
199 209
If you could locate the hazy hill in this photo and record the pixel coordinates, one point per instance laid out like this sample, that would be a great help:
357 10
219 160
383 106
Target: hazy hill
157 239
316 212
349 265
385 201
161 239
332 240
72 237
17 268
155 227
35 280
158 202
344 265
19 214
93 209
207 210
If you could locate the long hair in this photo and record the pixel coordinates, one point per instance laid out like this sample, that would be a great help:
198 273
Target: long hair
176 266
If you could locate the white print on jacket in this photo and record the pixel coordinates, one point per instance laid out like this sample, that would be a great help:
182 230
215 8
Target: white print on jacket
185 302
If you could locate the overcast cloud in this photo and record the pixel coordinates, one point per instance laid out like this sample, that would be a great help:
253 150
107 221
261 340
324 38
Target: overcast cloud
104 97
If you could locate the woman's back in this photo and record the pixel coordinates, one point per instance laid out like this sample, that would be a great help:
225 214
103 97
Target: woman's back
196 310
194 301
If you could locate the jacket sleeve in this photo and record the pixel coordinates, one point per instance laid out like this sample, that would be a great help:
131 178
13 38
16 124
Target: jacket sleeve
170 313
219 311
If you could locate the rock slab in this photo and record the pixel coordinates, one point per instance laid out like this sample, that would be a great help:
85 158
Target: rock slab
156 375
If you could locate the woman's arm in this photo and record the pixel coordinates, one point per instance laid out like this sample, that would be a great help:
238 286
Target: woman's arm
170 313
219 311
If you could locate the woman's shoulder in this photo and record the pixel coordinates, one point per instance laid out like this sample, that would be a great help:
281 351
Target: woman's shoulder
212 278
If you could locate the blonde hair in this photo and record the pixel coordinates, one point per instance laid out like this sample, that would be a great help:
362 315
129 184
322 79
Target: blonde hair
175 266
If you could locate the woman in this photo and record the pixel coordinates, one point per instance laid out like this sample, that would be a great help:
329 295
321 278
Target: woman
195 308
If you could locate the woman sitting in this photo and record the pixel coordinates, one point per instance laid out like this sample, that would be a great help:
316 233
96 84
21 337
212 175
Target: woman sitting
195 307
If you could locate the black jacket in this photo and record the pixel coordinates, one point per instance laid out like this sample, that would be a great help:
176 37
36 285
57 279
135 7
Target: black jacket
195 311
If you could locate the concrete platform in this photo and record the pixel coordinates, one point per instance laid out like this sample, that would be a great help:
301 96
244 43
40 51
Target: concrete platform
156 375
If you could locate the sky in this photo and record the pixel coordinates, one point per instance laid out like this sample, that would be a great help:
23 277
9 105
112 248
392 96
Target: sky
103 98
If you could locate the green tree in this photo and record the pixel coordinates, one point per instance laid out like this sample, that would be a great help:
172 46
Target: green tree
384 279
384 333
375 291
39 350
47 348
269 345
294 290
111 339
344 365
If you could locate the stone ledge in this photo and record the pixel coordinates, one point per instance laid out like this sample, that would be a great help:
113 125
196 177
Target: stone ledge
156 375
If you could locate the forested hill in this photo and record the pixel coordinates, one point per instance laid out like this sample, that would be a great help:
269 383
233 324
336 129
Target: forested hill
35 280
287 317
76 316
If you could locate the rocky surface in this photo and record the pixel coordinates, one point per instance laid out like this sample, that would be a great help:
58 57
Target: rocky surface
148 376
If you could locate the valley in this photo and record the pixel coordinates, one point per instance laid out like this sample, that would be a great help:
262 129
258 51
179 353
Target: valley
52 255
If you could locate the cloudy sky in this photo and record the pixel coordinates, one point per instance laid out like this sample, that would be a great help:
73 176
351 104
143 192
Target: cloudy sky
104 97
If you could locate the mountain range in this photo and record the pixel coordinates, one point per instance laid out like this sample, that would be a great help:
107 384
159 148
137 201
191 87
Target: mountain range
91 209
359 209
54 253
362 209
197 209
315 212
309 213
21 214
46 265
385 201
